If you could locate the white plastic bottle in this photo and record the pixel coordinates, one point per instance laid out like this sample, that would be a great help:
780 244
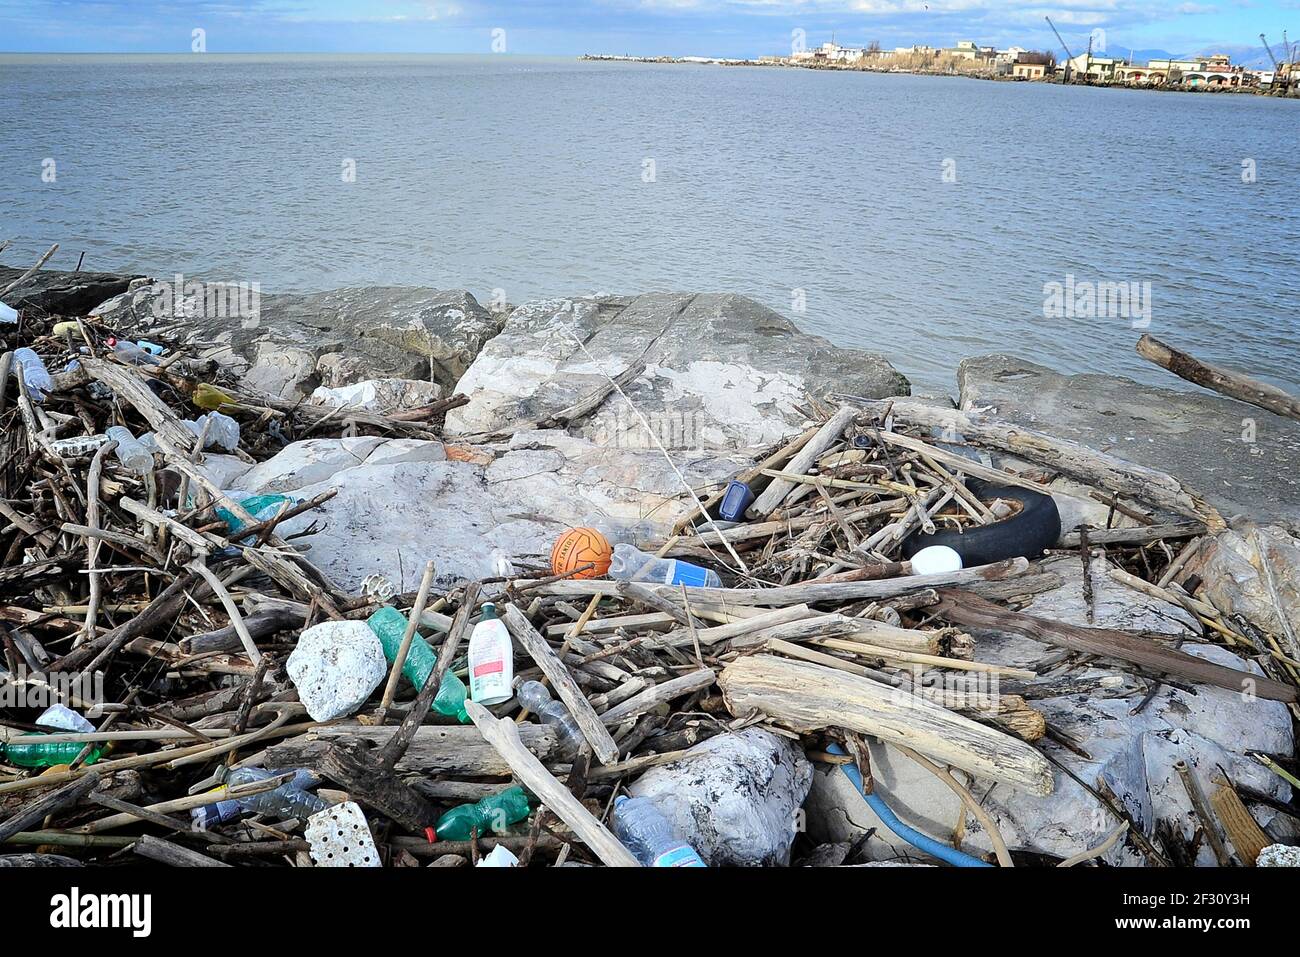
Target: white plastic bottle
491 660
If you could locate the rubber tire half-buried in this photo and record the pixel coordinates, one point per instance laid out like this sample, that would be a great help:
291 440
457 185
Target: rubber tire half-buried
1035 526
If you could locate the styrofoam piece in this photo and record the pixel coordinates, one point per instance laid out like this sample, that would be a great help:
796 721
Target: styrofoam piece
335 667
339 836
499 857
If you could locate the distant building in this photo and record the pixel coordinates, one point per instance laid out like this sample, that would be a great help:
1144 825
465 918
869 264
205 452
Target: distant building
1029 71
1031 66
834 53
969 50
1098 69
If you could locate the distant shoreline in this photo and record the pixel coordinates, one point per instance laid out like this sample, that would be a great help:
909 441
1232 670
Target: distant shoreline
786 63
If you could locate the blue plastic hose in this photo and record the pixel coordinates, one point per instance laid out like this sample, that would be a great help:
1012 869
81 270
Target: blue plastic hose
929 845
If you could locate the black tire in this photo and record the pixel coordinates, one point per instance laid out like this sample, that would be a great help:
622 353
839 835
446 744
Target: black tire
1035 527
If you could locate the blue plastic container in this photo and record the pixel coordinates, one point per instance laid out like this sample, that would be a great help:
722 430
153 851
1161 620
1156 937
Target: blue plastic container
737 498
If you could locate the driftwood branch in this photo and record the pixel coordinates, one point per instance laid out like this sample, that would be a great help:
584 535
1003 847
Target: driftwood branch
1234 385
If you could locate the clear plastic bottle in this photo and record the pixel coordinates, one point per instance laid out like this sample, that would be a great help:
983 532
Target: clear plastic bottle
130 451
291 799
389 625
223 432
631 564
37 377
643 830
534 696
131 353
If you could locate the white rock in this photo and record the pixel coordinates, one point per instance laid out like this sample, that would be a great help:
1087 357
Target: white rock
1279 855
335 667
379 395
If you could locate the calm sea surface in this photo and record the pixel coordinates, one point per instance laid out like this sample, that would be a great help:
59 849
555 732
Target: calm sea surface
823 195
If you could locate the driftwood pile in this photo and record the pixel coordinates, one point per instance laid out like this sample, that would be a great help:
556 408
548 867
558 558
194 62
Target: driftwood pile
823 634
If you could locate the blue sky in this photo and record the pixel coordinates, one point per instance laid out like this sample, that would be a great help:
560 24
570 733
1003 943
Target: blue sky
678 27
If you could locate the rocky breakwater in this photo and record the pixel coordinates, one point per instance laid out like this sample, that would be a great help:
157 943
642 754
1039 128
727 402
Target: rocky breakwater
1149 652
712 379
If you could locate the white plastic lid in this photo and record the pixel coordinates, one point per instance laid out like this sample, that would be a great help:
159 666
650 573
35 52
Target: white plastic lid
935 560
8 314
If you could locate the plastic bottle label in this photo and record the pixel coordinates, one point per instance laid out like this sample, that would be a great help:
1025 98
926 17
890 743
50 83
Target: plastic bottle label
681 856
692 576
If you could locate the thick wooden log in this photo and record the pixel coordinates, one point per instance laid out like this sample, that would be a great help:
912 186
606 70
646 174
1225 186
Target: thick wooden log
354 766
43 807
857 629
826 436
1135 536
602 745
435 749
504 736
131 388
809 593
1234 385
974 612
809 697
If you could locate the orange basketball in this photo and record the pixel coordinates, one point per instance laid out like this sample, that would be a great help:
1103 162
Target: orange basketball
578 547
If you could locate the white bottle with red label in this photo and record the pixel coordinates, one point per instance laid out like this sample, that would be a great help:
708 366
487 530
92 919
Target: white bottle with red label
491 660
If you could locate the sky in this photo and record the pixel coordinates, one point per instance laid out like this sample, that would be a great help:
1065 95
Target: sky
732 28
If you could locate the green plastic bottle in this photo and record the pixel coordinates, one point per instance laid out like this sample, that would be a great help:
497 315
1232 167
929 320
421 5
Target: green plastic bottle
389 625
494 813
37 755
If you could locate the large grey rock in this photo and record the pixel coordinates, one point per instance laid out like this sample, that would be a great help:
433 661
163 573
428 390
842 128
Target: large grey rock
1209 728
391 519
399 504
723 371
1194 436
288 344
1264 589
52 292
735 797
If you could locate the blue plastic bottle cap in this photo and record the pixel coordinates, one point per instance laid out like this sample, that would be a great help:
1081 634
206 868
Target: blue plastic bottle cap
935 560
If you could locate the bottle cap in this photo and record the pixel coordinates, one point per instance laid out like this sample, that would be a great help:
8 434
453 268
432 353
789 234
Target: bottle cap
489 611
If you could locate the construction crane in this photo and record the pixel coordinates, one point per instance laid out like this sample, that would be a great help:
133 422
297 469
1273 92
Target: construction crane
1279 80
1068 57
